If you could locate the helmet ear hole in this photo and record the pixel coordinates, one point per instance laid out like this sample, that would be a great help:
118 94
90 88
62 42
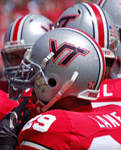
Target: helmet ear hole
52 82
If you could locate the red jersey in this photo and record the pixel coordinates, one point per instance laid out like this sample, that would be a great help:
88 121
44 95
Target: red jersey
110 93
6 105
99 129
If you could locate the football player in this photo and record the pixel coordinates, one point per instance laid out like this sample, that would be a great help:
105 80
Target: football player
52 67
97 22
110 89
21 35
110 5
62 72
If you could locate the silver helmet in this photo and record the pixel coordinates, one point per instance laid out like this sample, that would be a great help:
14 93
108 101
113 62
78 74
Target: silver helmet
90 18
113 7
60 65
21 35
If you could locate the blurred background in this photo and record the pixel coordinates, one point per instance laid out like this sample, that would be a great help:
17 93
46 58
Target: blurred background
11 9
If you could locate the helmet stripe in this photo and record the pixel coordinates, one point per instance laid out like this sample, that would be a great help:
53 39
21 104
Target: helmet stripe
100 54
21 26
100 24
101 59
16 28
105 24
101 2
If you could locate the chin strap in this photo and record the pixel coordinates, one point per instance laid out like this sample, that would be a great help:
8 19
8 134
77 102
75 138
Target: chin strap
61 92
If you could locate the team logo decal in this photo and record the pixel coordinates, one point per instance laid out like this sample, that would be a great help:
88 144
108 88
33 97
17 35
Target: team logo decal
64 21
71 52
50 27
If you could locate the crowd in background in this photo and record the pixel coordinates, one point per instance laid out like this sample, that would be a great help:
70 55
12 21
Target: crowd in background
11 9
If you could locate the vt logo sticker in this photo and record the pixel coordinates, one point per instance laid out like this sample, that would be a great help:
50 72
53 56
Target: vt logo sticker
71 52
64 21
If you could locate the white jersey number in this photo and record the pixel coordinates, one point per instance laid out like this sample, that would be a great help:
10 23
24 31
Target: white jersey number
42 124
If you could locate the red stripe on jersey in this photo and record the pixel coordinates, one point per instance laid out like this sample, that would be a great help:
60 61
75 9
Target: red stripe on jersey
15 31
100 25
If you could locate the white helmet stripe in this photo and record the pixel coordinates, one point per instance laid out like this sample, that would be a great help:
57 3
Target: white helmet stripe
100 24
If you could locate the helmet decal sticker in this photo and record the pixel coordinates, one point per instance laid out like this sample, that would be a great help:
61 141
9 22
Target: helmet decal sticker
72 52
50 27
64 21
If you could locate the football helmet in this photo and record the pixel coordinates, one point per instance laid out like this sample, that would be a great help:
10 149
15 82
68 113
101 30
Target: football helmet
113 7
63 62
21 35
90 18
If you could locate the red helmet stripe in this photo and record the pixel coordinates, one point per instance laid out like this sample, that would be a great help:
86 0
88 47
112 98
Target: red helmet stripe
101 33
100 2
16 28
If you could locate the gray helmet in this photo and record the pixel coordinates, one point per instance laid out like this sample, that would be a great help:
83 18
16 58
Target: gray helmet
60 65
21 35
113 7
90 18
